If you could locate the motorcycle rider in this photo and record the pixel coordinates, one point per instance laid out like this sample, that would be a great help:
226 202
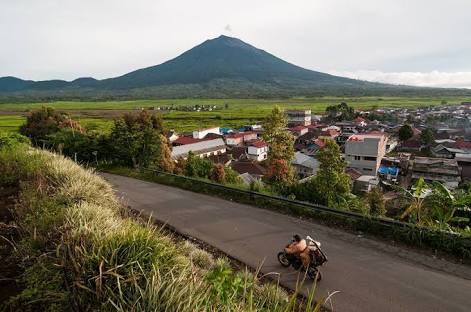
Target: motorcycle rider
300 249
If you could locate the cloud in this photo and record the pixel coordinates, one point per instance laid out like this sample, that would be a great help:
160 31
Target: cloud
228 28
423 79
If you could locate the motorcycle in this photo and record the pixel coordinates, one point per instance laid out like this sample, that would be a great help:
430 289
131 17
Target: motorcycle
318 258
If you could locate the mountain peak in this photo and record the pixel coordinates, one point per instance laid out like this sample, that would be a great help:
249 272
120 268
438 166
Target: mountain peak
226 41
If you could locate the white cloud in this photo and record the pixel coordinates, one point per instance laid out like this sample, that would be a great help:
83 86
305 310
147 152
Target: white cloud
423 79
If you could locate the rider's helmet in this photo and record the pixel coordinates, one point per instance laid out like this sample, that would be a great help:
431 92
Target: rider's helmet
297 238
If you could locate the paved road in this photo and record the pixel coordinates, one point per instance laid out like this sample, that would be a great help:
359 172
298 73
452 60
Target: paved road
368 276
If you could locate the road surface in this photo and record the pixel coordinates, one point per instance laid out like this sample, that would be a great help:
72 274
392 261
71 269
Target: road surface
369 276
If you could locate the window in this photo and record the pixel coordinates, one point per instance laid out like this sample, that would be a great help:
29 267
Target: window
367 169
369 158
357 157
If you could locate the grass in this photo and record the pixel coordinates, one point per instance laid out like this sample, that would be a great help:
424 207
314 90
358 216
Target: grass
81 251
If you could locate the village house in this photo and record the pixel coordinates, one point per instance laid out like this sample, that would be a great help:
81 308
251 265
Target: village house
446 171
298 131
304 166
364 152
257 150
202 149
240 137
249 170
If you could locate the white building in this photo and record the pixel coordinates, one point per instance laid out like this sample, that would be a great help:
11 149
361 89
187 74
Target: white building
364 152
201 133
202 149
257 150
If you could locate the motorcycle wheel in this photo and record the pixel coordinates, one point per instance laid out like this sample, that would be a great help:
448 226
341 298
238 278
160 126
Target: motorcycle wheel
312 272
283 259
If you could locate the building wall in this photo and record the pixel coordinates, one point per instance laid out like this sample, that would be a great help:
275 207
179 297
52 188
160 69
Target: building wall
250 137
257 154
298 117
234 141
199 134
365 156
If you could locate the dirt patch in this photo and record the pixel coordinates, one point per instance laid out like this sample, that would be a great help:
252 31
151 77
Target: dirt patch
9 270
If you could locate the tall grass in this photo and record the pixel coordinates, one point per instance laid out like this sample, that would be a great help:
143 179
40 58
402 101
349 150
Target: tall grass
80 252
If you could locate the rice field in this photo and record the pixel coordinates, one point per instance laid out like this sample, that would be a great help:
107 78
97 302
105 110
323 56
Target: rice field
229 112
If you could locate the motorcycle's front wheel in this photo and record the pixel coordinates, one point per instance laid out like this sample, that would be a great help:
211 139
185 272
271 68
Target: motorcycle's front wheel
283 259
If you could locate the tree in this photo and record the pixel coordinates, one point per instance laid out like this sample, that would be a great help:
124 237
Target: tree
46 121
164 159
331 183
279 140
376 202
180 166
340 112
279 172
218 173
427 137
136 138
405 132
197 167
232 176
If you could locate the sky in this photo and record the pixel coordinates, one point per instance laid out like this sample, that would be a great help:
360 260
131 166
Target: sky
416 42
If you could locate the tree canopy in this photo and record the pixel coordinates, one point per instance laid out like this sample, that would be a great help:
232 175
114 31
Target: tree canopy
405 132
136 138
46 121
279 140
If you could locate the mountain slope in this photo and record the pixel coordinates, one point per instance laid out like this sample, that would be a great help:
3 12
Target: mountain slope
220 58
220 67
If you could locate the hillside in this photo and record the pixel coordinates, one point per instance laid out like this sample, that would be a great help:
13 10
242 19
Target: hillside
78 249
221 67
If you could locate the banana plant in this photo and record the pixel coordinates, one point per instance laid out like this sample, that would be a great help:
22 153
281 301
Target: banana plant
417 197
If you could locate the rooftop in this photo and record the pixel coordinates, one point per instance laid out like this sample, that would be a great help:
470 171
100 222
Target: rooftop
362 137
258 143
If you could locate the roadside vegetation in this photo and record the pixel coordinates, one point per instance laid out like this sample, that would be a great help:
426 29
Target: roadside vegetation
79 249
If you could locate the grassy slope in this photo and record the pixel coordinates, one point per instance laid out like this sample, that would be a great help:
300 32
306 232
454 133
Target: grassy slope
240 111
80 251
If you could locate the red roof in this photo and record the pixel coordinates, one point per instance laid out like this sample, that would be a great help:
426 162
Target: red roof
412 143
330 132
315 126
258 143
461 143
319 142
184 140
353 173
240 134
298 128
248 166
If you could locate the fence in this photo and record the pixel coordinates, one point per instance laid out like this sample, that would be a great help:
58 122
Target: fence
415 235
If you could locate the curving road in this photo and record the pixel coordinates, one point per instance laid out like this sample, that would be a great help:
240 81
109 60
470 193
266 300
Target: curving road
370 275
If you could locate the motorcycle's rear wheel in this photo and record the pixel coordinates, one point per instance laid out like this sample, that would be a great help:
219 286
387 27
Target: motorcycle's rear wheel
313 272
283 259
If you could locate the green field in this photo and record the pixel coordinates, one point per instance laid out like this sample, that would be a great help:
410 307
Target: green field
239 111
